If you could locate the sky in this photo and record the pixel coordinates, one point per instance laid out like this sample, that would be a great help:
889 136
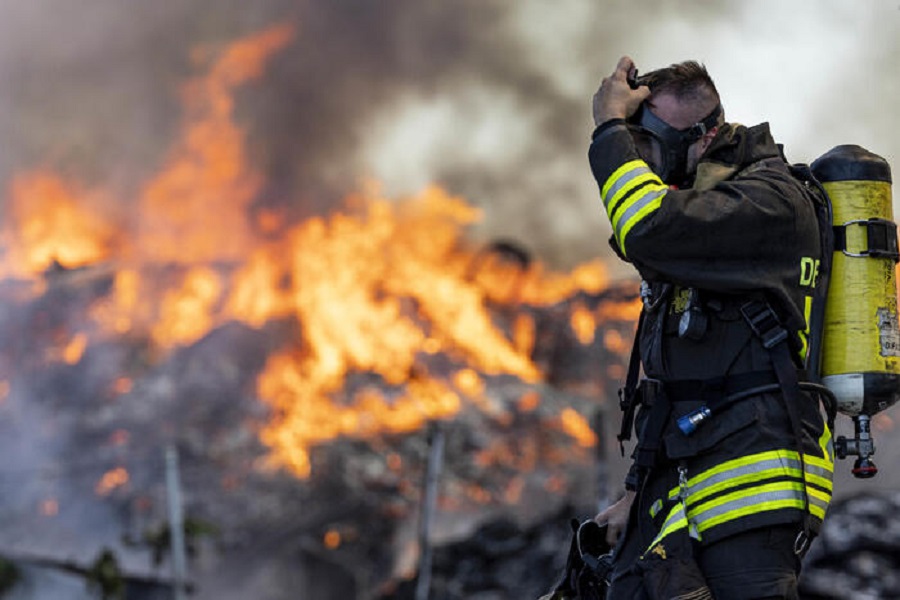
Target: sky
488 98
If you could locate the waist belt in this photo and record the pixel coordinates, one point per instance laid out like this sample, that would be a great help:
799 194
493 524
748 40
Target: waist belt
713 390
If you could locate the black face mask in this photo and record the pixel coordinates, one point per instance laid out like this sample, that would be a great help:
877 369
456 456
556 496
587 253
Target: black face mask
665 148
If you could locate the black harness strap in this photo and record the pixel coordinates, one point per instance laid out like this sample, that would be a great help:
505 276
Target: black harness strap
628 394
763 321
650 438
881 239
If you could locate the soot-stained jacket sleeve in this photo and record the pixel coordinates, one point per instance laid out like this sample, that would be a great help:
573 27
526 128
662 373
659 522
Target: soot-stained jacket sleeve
740 235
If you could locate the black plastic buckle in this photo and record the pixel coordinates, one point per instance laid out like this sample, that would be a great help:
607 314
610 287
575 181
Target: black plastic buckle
764 323
881 239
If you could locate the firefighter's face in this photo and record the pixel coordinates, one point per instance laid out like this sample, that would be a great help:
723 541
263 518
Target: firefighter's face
672 158
681 115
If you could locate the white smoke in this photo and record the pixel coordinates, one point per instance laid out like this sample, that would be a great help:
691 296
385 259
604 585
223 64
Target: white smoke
822 72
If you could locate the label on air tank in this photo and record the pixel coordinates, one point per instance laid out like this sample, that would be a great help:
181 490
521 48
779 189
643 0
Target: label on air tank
888 332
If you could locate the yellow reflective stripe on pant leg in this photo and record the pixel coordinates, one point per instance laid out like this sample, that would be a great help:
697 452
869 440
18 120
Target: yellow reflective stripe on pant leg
787 457
758 468
789 460
675 521
746 502
749 474
716 479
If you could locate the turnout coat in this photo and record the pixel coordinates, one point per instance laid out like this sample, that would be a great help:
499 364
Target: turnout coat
745 231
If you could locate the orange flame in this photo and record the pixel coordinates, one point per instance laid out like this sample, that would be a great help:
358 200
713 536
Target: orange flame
577 427
75 349
583 324
111 480
373 288
46 225
195 209
332 539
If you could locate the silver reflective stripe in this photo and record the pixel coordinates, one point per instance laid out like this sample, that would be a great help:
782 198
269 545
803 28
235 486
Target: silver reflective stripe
743 504
650 193
622 181
820 472
821 503
758 470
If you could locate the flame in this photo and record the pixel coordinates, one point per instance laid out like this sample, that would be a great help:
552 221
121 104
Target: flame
186 313
577 427
195 209
111 480
376 288
332 539
75 349
583 324
614 341
46 225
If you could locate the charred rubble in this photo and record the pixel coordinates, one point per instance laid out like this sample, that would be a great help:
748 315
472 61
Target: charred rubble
348 531
510 480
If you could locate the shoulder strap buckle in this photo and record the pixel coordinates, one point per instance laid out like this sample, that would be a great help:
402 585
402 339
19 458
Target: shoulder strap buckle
764 322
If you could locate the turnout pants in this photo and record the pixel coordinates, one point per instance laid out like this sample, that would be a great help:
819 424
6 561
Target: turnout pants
758 564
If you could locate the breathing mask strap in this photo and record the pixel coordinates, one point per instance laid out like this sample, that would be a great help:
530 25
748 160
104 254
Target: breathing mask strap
699 129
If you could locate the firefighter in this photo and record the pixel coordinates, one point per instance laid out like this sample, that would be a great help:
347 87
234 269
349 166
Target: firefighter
733 462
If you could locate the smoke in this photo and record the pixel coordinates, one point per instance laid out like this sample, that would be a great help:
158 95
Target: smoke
489 98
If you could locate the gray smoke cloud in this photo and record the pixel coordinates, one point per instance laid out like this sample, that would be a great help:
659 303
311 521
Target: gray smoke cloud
490 99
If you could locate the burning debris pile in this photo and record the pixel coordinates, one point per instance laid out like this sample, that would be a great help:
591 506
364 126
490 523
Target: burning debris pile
301 369
296 366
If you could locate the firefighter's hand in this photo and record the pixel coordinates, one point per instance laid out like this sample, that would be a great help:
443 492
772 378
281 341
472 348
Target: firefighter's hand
615 99
616 517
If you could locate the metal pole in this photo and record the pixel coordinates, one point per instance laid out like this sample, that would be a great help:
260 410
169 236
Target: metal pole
429 499
176 523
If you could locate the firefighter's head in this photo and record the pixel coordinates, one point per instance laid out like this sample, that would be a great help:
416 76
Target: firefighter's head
675 125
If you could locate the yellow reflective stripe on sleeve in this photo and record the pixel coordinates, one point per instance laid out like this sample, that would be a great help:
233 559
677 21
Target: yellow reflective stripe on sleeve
618 173
627 209
631 193
650 202
637 178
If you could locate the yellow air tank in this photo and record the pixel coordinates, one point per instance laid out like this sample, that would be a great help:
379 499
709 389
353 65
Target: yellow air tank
861 338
